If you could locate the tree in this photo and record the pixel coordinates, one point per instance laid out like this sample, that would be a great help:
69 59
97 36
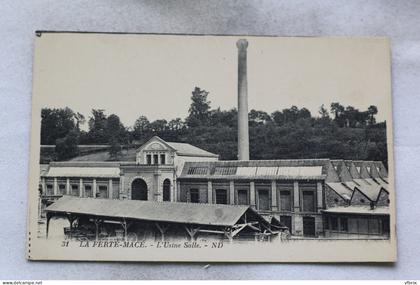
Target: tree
56 123
278 117
97 127
224 118
337 110
159 126
141 125
372 111
67 147
114 149
304 114
80 120
323 112
258 117
114 129
176 124
199 109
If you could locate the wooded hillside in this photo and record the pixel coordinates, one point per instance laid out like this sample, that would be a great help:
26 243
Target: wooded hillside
342 132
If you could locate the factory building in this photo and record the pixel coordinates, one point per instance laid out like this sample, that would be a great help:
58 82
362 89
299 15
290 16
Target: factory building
311 197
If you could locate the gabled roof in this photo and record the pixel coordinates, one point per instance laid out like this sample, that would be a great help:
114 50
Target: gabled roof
182 149
186 149
174 212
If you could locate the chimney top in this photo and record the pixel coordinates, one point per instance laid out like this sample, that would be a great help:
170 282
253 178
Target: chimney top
242 44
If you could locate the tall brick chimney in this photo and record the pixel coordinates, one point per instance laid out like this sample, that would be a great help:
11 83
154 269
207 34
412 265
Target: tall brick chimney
243 132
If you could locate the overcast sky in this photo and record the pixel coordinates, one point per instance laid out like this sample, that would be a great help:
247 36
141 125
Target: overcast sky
133 75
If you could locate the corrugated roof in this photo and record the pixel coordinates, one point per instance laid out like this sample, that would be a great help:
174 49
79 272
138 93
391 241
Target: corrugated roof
224 170
190 150
364 210
175 212
259 169
68 171
266 171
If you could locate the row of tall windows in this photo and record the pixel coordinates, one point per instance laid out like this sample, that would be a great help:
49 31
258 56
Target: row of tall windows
101 192
155 159
285 202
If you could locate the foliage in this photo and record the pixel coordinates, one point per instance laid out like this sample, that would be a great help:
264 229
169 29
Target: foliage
290 133
67 147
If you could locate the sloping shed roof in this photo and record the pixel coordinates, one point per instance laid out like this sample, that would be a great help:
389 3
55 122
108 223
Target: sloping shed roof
362 210
175 212
375 181
371 190
382 183
351 184
190 150
69 171
341 189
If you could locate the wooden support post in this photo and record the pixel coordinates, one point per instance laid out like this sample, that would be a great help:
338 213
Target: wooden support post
162 229
71 220
48 223
192 232
125 226
228 234
97 222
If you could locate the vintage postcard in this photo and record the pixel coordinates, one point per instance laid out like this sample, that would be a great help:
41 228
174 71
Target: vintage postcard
206 148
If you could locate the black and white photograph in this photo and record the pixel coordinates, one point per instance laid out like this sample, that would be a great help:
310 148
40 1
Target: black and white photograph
150 147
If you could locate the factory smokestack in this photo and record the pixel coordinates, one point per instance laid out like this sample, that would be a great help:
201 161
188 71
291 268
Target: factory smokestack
243 132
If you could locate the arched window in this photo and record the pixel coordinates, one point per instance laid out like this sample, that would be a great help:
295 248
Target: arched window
167 190
139 190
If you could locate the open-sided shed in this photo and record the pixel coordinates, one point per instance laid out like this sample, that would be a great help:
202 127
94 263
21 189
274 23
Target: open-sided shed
228 221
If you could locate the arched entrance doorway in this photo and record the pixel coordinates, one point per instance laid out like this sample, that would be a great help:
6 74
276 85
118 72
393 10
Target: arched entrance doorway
139 190
167 190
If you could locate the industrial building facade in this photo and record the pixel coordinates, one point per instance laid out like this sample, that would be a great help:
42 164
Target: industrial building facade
311 197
